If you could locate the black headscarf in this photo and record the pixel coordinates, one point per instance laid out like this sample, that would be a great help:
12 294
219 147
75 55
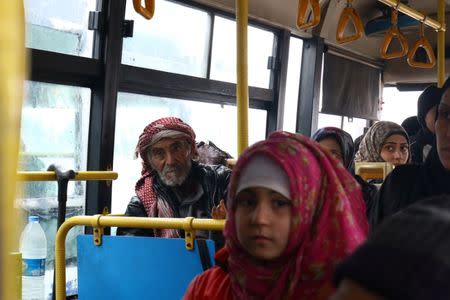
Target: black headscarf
429 98
343 138
411 125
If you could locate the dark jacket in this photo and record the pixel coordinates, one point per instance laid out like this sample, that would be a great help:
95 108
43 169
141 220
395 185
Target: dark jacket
408 184
422 140
369 192
214 181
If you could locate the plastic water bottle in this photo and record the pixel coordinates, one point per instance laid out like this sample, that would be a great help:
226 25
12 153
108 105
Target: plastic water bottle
33 246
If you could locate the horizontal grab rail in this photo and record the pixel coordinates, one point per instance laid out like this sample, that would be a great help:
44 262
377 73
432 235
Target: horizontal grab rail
403 8
82 175
99 221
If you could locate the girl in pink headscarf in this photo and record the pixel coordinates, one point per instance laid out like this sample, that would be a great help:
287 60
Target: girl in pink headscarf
293 214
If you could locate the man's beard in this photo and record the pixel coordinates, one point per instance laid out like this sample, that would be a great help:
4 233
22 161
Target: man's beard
175 180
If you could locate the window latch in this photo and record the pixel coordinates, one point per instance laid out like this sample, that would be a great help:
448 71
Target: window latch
271 63
127 29
94 22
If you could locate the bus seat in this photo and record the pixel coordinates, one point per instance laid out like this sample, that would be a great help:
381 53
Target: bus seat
231 163
129 267
373 170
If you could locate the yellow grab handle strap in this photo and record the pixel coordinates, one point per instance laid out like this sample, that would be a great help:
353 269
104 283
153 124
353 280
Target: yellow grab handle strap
349 14
422 43
147 11
302 8
390 35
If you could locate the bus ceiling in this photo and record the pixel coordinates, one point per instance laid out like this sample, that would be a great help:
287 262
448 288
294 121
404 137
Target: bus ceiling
376 19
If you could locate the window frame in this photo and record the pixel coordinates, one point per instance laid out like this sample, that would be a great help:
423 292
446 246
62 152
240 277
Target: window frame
105 75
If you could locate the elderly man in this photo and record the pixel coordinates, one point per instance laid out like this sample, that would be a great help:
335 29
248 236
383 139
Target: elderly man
173 184
408 184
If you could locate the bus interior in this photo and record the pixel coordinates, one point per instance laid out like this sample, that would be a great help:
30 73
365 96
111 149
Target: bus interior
99 71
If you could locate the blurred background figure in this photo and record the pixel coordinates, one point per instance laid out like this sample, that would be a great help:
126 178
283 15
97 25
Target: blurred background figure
405 258
426 115
339 143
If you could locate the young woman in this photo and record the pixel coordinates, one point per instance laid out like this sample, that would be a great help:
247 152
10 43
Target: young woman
340 144
293 214
408 184
384 142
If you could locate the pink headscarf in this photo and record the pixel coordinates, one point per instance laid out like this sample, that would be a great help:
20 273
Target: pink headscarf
144 186
328 223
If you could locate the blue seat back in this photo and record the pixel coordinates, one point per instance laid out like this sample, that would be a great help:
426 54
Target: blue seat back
126 267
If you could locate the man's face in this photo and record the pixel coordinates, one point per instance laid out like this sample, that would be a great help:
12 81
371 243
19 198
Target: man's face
171 158
430 118
442 128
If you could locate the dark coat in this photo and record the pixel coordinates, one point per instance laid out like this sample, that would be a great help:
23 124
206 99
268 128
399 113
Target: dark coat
214 181
408 184
422 139
369 192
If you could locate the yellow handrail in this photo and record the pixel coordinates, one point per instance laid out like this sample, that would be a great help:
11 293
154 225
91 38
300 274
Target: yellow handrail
12 76
403 8
441 44
99 221
242 74
82 175
439 25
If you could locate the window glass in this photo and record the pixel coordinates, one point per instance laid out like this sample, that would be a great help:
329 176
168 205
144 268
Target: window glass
54 130
292 84
223 61
134 112
326 120
59 26
354 126
398 105
174 40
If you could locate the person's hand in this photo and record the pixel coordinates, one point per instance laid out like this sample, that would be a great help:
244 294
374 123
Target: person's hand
220 211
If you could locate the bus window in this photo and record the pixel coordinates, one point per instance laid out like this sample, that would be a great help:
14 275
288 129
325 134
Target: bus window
134 112
176 40
223 61
398 105
326 120
59 26
54 130
354 126
292 84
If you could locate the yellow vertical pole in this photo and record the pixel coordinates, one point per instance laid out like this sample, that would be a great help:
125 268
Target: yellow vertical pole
12 74
242 74
441 43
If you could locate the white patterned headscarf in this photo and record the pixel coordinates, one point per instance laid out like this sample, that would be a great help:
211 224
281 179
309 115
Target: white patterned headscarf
370 147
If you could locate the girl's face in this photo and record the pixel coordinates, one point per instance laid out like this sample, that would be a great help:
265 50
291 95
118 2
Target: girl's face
395 150
263 222
333 147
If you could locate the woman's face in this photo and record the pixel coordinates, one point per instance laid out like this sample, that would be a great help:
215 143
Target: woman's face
442 128
395 150
263 222
333 147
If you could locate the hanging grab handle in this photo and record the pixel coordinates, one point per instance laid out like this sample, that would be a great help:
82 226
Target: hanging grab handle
423 43
392 33
147 11
347 15
302 8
